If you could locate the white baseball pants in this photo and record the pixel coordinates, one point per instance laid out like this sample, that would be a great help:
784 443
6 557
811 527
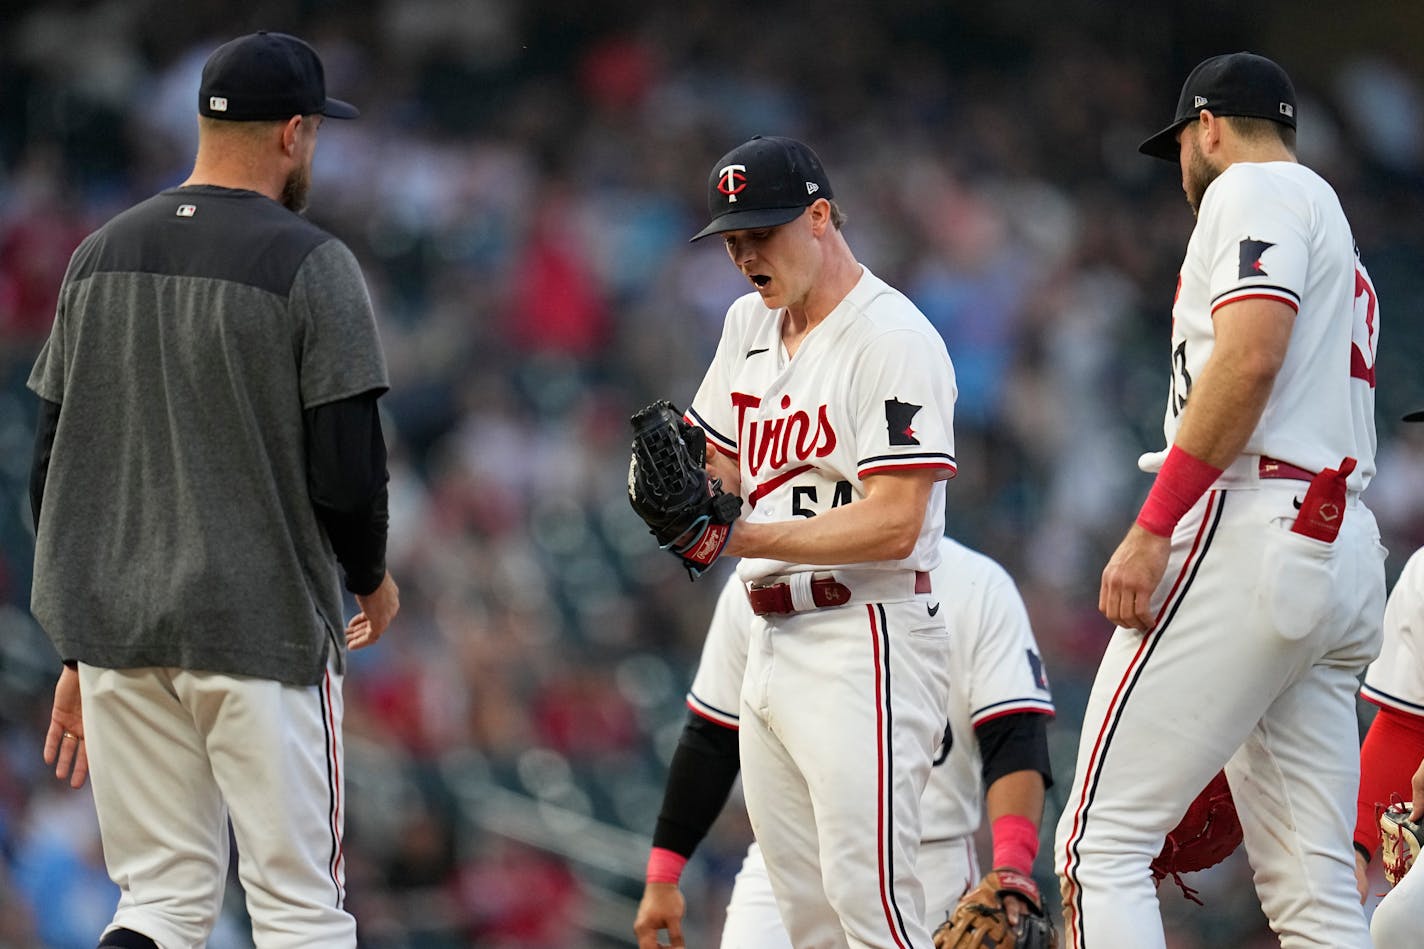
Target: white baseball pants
1253 664
842 711
172 755
947 868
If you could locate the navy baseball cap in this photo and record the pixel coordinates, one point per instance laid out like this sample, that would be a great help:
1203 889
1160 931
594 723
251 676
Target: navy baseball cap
1415 416
1230 84
765 182
266 76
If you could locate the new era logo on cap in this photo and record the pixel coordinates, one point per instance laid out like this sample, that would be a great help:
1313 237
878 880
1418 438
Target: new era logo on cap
1200 101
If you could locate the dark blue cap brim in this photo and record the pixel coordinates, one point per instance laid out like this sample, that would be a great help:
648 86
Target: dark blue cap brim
749 220
1415 416
336 109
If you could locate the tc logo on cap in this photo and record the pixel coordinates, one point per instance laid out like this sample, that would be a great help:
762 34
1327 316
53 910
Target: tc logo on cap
732 181
217 103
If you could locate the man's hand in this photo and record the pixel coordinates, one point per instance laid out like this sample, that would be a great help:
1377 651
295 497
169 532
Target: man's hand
1014 908
662 908
1362 877
1132 576
721 465
378 608
64 743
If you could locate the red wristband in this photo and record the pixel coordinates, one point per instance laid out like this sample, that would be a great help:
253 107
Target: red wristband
1015 843
665 866
1184 478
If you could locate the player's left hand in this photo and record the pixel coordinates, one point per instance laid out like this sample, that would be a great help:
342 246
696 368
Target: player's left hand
1132 576
64 743
378 608
662 908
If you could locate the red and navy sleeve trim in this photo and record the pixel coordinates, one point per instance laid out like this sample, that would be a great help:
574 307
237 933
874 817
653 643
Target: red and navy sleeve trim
879 464
711 712
1012 707
727 445
1384 699
1257 291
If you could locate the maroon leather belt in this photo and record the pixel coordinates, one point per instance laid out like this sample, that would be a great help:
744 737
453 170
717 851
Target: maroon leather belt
1274 468
826 591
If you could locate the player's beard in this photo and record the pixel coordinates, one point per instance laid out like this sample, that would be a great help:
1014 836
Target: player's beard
296 188
1200 174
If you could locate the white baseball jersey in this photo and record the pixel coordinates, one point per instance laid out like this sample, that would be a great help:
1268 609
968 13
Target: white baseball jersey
995 669
1275 230
871 389
1396 678
1260 632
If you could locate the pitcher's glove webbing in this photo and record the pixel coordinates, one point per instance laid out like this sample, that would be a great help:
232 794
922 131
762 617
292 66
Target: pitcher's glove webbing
684 508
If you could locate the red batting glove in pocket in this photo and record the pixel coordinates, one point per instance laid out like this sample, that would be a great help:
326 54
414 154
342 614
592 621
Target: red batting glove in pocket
1323 508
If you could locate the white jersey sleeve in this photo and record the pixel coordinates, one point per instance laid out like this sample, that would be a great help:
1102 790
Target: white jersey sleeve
996 669
1255 239
1396 678
914 427
717 686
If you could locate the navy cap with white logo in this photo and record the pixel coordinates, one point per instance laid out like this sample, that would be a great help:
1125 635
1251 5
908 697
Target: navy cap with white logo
1242 84
266 76
764 182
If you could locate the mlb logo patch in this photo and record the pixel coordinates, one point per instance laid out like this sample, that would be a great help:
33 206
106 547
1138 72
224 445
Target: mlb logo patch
187 210
217 103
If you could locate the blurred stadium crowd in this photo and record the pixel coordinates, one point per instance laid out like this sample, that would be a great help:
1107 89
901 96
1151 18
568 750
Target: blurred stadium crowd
520 189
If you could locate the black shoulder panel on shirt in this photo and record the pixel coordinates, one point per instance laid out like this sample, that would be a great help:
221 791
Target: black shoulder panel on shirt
218 233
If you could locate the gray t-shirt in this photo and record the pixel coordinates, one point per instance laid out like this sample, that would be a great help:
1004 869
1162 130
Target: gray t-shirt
192 332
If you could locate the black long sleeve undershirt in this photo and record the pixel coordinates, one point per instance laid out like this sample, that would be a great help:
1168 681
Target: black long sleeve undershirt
700 778
1017 742
346 476
45 425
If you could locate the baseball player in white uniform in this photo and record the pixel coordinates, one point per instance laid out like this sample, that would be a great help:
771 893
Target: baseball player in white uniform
1249 593
829 408
996 737
1394 747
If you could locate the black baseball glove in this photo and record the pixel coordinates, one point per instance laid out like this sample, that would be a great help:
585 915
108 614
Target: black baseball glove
669 488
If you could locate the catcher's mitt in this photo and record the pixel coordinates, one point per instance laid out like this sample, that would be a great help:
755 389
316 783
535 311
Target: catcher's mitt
1400 838
980 921
684 508
1207 834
